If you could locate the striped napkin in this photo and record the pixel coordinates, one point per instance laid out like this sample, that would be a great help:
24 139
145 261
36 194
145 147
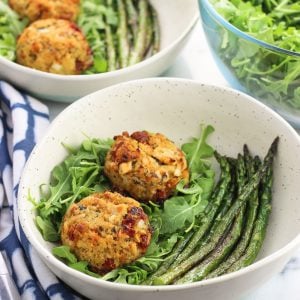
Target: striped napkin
23 120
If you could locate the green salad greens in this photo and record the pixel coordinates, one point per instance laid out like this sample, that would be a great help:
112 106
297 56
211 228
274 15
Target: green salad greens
80 175
269 75
10 27
93 19
212 226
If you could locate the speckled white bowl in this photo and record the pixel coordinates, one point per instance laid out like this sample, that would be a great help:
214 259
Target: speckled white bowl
176 108
177 19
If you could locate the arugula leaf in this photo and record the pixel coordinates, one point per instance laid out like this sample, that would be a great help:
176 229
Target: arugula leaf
177 211
94 14
197 150
78 176
190 190
47 229
82 266
181 211
65 253
205 181
131 275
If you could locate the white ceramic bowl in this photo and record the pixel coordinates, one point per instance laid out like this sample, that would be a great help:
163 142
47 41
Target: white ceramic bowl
174 107
177 19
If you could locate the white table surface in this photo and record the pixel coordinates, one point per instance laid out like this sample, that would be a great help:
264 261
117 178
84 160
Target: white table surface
196 63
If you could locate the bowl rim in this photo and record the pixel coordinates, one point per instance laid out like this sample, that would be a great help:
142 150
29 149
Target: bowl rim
210 8
58 264
119 72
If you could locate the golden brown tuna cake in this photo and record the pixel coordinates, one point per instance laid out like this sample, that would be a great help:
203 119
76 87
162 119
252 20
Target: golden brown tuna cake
147 166
55 46
107 230
44 9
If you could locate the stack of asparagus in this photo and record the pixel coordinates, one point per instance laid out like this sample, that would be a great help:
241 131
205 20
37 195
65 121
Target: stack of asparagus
120 32
232 232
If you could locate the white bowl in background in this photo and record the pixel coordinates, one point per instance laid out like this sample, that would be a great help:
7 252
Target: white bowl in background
176 108
177 19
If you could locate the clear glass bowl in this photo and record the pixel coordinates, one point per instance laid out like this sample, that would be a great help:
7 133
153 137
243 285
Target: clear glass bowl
266 72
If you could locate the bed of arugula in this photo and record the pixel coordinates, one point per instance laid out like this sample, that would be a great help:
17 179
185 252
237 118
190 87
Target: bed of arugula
81 174
272 76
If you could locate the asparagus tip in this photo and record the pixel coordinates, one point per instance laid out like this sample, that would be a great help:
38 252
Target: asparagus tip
217 155
246 150
274 145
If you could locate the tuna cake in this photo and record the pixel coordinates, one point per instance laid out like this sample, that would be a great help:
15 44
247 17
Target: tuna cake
147 166
44 9
55 46
107 230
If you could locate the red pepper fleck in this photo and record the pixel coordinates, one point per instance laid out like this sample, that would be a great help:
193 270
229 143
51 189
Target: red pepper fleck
121 153
128 225
74 27
79 65
108 265
144 243
75 231
141 136
160 195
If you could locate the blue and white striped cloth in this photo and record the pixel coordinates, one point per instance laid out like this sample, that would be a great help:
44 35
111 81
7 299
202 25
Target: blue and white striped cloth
23 121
